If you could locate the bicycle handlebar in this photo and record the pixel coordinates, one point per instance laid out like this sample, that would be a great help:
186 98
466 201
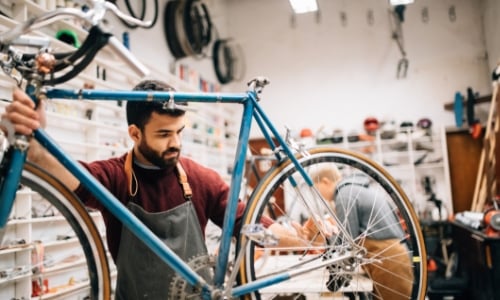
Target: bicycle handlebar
84 55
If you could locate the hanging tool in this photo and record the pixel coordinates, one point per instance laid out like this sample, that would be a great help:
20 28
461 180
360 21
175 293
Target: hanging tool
397 34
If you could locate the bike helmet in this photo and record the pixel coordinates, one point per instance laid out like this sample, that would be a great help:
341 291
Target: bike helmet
371 125
424 123
388 129
306 132
406 126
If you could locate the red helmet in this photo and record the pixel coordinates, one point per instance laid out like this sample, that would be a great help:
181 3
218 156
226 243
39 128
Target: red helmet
306 132
371 124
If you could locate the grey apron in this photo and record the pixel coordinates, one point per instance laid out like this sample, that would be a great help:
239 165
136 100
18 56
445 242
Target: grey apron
141 273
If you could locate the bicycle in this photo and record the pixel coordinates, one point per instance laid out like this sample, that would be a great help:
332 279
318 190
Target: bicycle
259 269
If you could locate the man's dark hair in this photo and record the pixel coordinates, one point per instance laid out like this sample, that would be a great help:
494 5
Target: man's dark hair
139 112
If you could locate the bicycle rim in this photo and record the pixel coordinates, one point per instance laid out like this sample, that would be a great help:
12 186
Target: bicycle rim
343 279
74 257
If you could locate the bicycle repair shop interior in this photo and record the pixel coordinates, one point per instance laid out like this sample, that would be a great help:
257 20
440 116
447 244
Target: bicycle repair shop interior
408 83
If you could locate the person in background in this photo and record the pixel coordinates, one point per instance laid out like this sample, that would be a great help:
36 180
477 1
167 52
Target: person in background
173 195
370 218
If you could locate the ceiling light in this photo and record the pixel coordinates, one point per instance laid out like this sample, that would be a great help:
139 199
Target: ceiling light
303 6
401 2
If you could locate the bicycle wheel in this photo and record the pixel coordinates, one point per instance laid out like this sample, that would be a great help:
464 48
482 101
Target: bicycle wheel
372 272
70 254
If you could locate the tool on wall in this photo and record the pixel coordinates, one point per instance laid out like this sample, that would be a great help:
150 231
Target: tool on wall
397 18
370 17
434 209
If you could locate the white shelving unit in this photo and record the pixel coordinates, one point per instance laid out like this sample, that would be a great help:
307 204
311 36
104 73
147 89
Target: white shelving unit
90 130
411 157
38 252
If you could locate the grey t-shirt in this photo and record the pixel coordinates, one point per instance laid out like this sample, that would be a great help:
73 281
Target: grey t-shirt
365 209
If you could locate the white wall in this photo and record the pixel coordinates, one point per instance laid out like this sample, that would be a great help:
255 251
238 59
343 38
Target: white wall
331 75
491 26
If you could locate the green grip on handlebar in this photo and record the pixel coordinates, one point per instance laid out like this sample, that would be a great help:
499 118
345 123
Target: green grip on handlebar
69 37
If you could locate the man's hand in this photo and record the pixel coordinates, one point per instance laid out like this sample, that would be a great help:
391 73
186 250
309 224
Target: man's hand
304 235
22 114
315 231
25 118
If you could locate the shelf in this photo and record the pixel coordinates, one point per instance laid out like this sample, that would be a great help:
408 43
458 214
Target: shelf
95 146
409 157
16 248
85 122
65 290
62 266
13 222
15 278
56 243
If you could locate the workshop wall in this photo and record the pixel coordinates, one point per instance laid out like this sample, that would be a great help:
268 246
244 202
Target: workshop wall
491 11
334 73
354 61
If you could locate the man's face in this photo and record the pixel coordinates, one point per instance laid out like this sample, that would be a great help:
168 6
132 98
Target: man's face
160 142
325 187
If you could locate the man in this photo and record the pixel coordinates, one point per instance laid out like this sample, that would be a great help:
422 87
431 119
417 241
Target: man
147 180
366 214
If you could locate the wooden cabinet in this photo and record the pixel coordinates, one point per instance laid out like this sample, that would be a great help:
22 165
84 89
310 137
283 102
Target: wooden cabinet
464 154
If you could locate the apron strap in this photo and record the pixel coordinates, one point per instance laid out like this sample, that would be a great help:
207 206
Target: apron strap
133 186
181 174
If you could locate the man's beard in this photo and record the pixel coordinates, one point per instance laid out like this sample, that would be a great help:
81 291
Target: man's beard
157 159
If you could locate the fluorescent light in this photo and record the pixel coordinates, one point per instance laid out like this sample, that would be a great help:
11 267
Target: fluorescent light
401 2
303 6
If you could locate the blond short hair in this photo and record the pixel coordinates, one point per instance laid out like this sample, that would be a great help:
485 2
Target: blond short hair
330 171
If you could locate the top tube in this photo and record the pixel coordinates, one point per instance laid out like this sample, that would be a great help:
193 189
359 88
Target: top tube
178 97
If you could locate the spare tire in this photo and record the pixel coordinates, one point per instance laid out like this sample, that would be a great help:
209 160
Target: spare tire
169 25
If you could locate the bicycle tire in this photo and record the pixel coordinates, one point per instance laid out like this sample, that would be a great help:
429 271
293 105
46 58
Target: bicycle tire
253 266
87 234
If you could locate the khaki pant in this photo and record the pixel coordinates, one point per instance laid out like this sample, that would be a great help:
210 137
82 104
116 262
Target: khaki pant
393 275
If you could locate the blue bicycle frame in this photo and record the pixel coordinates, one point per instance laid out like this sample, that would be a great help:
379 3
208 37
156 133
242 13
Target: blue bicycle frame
251 111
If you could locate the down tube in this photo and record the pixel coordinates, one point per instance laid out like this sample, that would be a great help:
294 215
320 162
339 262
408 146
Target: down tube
9 185
120 211
236 179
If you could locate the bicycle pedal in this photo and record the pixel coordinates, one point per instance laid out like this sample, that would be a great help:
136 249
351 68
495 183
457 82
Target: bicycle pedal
259 234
